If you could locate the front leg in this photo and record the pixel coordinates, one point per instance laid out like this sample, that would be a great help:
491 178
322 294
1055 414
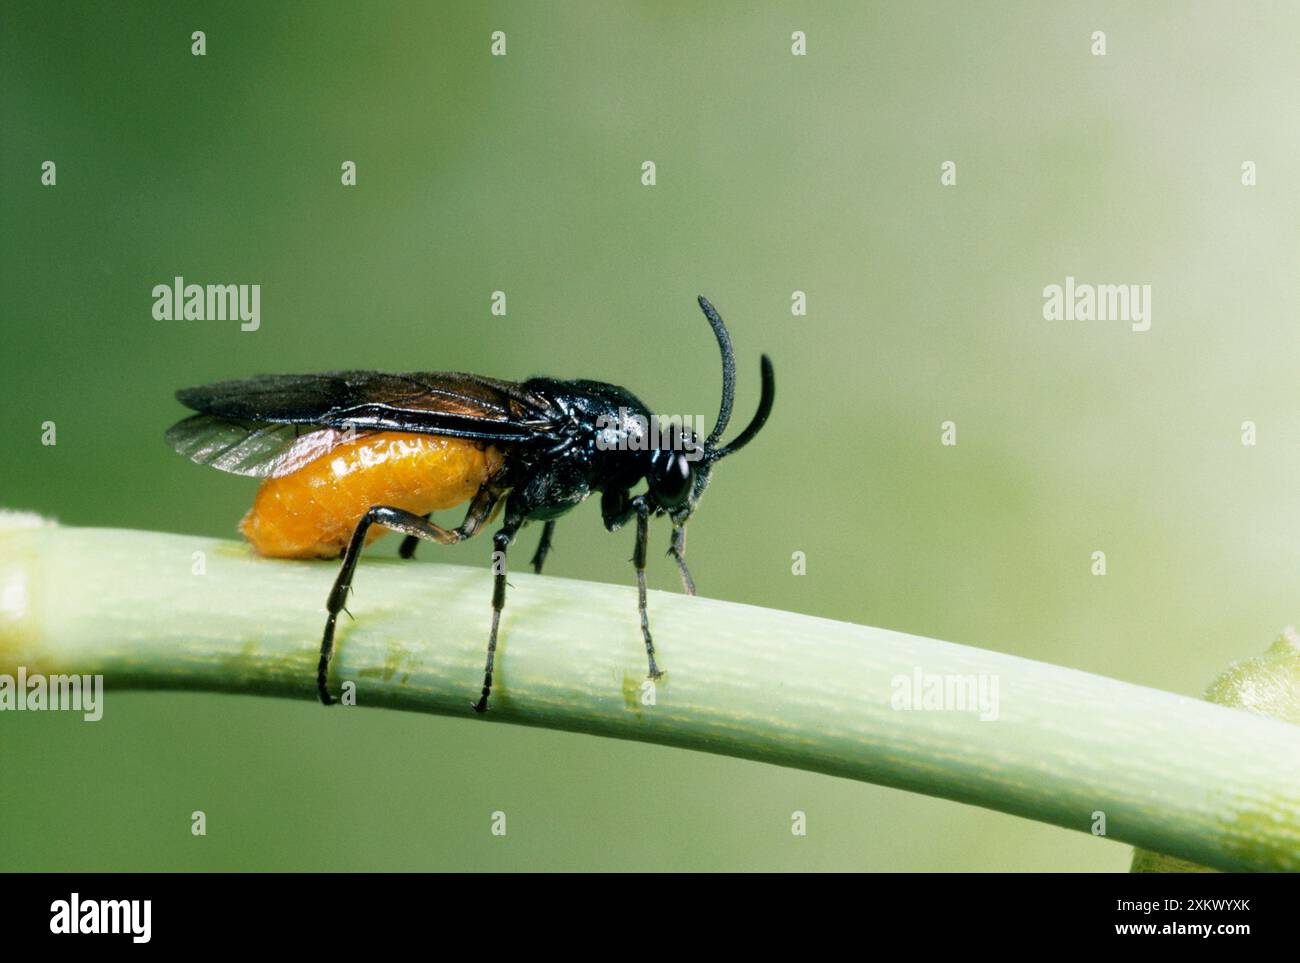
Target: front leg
677 549
642 509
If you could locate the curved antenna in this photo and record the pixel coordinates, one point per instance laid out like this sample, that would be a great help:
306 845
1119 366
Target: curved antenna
760 416
728 371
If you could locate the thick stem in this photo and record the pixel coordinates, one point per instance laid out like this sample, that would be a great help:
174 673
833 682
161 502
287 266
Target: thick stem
1268 684
1211 784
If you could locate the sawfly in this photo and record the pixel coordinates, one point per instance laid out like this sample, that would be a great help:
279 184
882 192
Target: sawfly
346 455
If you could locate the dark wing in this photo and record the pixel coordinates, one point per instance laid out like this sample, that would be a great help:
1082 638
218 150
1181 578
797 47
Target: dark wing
273 424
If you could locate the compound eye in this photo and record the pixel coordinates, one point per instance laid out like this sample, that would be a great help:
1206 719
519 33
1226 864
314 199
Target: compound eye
670 478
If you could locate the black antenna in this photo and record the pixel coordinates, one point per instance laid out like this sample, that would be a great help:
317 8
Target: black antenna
760 416
728 371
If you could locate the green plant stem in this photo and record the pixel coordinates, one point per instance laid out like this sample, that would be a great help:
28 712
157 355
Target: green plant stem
1268 684
1214 785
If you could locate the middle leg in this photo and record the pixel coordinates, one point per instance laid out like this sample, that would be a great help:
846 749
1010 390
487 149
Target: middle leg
500 543
543 547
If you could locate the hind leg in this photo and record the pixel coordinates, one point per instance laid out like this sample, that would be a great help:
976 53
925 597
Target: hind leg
399 521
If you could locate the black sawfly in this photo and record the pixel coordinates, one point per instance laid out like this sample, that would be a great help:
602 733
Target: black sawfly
540 447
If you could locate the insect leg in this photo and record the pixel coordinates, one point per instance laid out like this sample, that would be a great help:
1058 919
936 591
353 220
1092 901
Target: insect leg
399 521
638 559
677 549
500 542
543 547
408 544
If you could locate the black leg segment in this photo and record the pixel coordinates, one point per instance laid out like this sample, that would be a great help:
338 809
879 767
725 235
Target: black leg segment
638 559
543 547
500 543
407 549
677 549
399 521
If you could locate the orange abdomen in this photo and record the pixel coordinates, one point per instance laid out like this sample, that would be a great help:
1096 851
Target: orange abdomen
312 512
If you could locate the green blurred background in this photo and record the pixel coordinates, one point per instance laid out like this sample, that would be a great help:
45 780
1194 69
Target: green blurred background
776 173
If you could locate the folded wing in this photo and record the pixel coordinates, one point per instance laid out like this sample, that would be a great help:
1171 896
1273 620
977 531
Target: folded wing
271 425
